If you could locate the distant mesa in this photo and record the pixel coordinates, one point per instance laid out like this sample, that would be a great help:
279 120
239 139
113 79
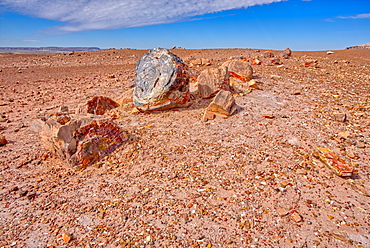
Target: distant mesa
363 46
46 50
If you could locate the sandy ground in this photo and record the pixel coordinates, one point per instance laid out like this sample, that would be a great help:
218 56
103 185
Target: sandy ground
182 182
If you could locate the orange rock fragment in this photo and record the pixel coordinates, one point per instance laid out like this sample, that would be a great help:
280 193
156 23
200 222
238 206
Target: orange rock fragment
334 162
66 237
3 141
208 115
282 212
296 217
256 62
268 115
252 84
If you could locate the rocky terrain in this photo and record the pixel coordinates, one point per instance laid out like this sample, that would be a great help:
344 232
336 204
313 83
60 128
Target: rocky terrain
250 180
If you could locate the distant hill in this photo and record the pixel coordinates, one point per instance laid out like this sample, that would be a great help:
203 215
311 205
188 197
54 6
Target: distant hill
363 46
46 50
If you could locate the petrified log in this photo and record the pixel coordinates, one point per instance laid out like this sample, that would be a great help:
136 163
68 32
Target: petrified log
240 69
334 162
79 141
212 80
223 104
162 81
97 106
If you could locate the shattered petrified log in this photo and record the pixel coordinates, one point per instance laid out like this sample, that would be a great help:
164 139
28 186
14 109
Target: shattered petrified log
97 106
79 140
334 162
162 81
223 104
240 69
212 80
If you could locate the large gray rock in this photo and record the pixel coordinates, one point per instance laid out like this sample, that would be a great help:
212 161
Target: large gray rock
79 140
162 81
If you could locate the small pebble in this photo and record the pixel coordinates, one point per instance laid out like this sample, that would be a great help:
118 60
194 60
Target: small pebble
301 172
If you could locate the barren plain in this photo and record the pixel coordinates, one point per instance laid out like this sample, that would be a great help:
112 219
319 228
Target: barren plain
244 181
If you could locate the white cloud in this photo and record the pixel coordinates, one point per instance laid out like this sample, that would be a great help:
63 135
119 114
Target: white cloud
33 41
82 15
359 16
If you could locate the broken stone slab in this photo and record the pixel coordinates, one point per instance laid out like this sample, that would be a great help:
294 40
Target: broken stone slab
162 81
81 141
212 80
97 106
334 162
223 104
282 212
340 117
296 217
239 68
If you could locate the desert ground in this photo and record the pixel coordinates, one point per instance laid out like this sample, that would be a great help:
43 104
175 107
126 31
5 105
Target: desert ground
244 181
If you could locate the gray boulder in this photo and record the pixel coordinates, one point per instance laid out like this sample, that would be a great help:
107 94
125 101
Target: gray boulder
162 81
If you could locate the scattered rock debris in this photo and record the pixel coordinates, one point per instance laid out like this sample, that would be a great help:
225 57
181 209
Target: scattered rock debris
180 182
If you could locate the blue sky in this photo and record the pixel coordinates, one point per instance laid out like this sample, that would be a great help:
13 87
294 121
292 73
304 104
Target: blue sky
144 24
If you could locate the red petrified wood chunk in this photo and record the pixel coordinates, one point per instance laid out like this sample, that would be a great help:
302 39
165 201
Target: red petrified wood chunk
334 162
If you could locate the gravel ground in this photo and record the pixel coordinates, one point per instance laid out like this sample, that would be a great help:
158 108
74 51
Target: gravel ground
244 181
